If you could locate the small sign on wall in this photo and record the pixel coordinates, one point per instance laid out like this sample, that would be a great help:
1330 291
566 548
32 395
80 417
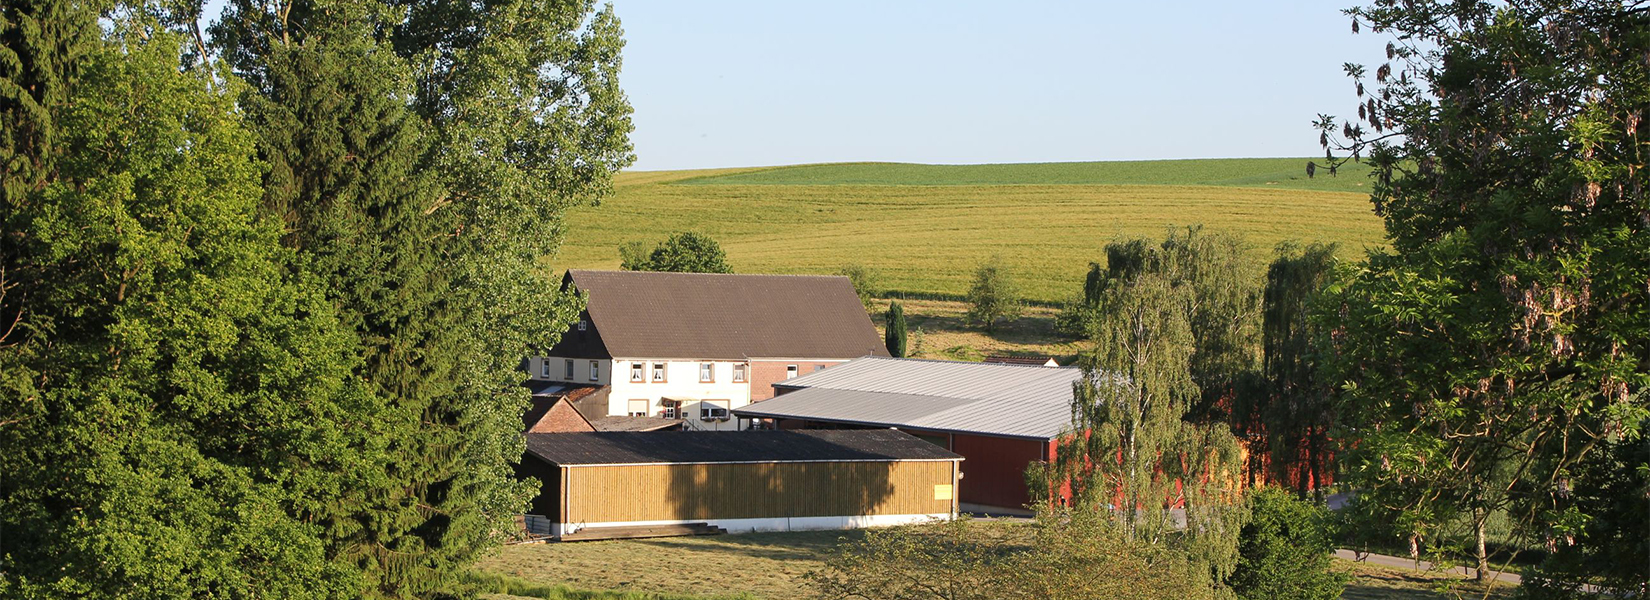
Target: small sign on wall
942 491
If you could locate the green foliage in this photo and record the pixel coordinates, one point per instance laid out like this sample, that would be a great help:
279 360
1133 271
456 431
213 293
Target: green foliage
895 330
993 297
633 255
684 252
1291 406
1504 344
1285 549
1062 556
1147 442
179 417
866 283
42 45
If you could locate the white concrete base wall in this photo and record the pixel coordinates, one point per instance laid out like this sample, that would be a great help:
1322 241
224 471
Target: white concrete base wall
774 524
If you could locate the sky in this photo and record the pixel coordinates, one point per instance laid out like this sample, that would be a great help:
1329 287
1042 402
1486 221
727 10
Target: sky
729 83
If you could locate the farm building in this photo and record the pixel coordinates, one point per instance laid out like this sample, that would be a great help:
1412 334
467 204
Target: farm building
1000 417
608 484
689 347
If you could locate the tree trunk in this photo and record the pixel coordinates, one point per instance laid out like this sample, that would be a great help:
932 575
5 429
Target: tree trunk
1479 517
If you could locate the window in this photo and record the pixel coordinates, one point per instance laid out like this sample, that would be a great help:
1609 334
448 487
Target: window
658 372
790 371
595 371
739 373
638 408
707 372
636 373
582 324
672 408
544 368
569 375
713 410
818 368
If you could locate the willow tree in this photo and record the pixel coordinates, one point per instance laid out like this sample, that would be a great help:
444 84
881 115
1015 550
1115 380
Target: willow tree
1503 342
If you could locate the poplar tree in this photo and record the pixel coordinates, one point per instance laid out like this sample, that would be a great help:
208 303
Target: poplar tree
179 416
1495 354
894 330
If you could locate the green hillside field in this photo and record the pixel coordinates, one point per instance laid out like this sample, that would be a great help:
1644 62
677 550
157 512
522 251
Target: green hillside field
924 228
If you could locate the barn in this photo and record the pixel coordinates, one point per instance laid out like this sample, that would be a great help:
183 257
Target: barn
599 485
1000 417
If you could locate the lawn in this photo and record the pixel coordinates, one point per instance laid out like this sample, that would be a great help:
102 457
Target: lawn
925 234
772 565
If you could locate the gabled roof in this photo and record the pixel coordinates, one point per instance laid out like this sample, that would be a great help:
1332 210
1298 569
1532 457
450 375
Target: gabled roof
1041 361
647 315
962 397
684 447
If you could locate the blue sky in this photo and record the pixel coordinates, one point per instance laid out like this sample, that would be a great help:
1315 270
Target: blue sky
727 83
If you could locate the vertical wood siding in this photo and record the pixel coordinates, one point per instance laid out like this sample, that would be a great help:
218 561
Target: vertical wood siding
740 491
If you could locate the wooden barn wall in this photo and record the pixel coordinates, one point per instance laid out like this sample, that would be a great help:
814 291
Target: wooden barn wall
740 491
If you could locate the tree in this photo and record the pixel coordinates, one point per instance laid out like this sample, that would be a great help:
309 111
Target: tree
1500 345
633 255
1291 407
895 329
422 157
993 297
685 252
180 417
1285 550
865 283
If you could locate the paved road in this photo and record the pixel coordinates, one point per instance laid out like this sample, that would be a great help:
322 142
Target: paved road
1408 563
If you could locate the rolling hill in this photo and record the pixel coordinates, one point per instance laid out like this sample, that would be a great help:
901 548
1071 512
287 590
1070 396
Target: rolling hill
924 228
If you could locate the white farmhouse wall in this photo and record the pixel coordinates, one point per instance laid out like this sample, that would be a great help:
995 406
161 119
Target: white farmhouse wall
681 382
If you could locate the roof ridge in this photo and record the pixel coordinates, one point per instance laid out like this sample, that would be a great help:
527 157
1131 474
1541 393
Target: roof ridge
714 274
963 362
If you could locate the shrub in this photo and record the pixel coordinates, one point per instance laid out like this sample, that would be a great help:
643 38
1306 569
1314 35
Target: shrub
865 281
1284 550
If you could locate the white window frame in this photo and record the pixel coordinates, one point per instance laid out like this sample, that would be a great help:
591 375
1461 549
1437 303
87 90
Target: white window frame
638 373
544 368
739 373
707 372
672 408
595 370
705 412
790 371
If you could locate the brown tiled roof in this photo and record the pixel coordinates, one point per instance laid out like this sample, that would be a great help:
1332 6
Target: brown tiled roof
718 316
606 448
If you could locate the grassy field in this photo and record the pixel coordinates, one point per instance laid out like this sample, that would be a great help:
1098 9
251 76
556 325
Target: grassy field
772 565
1289 173
924 229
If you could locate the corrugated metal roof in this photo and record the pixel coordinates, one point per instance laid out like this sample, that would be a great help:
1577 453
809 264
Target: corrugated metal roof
608 448
992 399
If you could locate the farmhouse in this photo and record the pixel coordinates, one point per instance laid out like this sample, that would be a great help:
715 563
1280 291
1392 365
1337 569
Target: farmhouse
1000 417
609 484
693 346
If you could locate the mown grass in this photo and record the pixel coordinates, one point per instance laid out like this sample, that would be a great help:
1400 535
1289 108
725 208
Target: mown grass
772 566
927 239
1248 172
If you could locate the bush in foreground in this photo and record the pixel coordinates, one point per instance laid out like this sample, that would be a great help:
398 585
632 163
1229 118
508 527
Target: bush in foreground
1284 550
